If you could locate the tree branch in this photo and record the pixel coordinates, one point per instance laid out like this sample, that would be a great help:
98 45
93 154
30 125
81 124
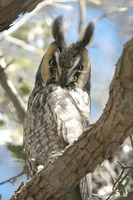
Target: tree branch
11 179
14 7
11 9
95 144
82 7
11 91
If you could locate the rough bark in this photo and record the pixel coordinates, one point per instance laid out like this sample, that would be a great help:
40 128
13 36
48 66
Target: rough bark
11 9
95 145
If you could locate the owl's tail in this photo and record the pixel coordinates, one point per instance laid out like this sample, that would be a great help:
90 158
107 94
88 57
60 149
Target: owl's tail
86 187
73 194
83 191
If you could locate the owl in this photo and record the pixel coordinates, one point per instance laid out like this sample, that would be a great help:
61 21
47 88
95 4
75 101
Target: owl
59 105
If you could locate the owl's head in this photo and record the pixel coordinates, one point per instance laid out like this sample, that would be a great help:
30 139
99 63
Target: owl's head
67 65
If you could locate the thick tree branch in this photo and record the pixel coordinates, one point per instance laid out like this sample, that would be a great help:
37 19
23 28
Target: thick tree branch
9 10
95 144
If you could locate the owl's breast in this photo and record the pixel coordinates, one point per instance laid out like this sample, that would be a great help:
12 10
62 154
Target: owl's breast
82 100
71 111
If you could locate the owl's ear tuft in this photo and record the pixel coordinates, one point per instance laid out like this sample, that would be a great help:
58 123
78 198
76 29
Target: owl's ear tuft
57 30
87 36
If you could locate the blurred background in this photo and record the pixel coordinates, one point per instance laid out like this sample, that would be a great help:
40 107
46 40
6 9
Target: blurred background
21 50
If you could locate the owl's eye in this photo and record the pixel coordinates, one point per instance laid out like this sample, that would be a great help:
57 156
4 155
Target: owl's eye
52 62
80 68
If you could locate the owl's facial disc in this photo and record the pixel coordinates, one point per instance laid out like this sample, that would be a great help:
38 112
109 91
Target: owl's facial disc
75 74
66 71
65 68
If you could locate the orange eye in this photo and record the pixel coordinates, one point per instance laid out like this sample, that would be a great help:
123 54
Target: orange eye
52 62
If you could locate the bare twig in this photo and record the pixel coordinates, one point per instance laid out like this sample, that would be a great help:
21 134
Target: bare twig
12 93
120 179
81 14
23 45
110 13
10 179
96 2
131 139
8 64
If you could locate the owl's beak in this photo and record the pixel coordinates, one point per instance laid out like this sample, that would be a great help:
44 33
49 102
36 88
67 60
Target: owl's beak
63 79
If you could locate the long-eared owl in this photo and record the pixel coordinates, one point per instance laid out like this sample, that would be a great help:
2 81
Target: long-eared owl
59 105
